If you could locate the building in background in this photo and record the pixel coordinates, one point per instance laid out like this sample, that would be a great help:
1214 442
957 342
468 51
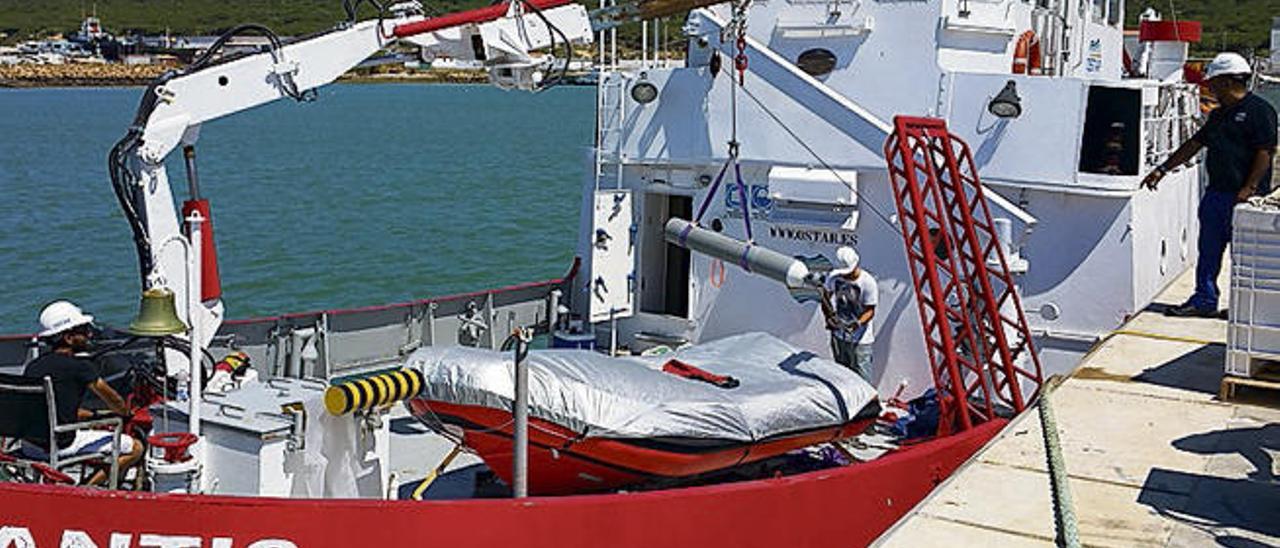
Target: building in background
1275 43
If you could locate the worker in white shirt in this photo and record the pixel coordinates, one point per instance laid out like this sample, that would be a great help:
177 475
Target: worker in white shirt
849 297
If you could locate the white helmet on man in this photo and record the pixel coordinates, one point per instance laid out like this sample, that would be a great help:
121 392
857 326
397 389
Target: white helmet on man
1226 64
59 316
846 260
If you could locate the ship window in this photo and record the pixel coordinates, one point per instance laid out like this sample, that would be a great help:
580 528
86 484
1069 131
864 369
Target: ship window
1109 144
1114 11
1099 10
817 62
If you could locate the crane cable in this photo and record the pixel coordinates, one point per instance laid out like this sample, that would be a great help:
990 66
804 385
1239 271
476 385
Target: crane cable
738 26
796 137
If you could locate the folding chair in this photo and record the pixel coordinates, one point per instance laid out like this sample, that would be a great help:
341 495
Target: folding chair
28 412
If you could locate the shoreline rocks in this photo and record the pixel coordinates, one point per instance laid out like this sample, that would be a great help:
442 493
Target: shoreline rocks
78 74
115 74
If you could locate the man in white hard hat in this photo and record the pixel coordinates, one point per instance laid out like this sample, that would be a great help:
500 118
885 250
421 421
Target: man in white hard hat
849 297
1240 136
68 331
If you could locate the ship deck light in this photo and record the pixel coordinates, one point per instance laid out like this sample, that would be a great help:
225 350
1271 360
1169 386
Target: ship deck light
643 91
1006 104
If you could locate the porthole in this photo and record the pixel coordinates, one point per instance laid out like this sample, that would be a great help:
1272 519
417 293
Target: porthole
1164 256
1050 311
1183 247
817 62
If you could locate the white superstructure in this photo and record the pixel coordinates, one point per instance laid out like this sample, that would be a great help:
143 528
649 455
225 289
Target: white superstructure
823 83
773 131
1060 128
821 86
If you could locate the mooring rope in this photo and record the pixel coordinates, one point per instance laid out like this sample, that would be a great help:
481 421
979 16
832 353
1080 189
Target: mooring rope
1064 514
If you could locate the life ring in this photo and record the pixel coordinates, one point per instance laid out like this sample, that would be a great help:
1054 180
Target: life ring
717 274
1026 55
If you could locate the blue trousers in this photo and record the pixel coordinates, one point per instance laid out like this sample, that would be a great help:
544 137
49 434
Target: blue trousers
1215 233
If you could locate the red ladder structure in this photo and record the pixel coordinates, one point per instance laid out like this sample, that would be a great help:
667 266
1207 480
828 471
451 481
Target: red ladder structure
974 328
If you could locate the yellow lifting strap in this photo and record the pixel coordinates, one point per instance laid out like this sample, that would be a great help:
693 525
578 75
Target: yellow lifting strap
435 473
374 391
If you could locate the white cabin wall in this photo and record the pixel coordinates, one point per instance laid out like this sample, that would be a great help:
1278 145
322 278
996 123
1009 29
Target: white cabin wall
889 70
1081 247
1164 228
1096 260
690 123
1048 130
984 39
1097 46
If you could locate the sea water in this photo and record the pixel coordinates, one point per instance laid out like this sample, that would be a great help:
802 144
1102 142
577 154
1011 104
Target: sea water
372 194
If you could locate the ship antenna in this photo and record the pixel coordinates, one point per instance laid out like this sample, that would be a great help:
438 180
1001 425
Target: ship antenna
1173 12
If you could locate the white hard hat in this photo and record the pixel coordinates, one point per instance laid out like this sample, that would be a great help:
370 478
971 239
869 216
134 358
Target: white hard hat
59 316
1227 64
846 260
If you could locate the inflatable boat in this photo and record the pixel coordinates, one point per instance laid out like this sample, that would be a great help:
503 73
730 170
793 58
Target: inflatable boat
600 423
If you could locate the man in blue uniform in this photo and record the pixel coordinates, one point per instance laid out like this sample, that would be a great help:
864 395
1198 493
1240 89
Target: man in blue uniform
1240 136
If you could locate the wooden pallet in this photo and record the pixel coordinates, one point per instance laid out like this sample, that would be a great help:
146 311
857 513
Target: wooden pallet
1268 378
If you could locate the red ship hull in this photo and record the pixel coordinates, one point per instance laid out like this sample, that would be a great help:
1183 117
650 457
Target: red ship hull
847 506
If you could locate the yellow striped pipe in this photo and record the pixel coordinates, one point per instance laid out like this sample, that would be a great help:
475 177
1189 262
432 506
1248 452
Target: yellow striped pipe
374 391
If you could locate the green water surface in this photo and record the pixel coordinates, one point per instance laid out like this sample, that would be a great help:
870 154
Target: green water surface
372 194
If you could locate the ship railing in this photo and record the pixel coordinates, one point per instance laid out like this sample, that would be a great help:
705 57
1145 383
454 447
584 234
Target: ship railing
341 342
337 343
1171 120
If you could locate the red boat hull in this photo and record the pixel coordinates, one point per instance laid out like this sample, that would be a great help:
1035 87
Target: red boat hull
563 462
847 506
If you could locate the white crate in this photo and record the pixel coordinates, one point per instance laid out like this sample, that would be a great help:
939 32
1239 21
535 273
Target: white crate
1245 364
1253 328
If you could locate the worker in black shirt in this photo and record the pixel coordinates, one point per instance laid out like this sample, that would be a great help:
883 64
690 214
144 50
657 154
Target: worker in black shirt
1240 136
68 331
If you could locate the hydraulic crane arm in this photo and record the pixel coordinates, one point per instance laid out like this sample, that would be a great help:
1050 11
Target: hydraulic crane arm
503 36
172 111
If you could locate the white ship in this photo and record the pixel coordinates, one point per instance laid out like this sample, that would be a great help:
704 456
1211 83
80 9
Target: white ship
774 132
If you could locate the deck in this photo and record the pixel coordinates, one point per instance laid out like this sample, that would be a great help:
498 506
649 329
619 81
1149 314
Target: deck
1153 456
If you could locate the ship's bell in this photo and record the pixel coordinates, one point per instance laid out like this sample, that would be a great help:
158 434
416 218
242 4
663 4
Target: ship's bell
157 315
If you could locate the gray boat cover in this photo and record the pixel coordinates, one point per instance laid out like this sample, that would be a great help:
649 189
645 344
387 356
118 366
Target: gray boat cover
782 389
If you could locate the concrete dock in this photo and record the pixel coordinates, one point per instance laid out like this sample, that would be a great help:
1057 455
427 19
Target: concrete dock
1153 457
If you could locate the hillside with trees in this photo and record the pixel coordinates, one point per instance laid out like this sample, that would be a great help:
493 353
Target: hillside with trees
1241 25
1238 25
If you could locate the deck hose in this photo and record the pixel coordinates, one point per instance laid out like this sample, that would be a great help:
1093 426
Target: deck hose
373 391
